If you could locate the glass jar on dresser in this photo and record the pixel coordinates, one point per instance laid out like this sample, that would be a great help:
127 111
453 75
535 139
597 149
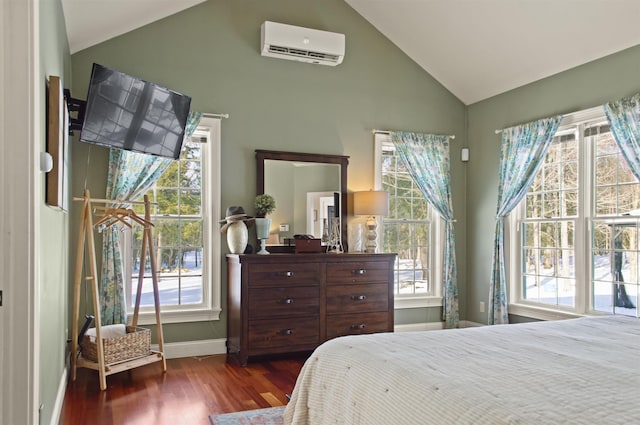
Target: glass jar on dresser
286 303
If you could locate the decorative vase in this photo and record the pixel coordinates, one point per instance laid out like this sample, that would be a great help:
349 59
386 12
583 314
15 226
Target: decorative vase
325 231
335 242
237 237
355 237
262 232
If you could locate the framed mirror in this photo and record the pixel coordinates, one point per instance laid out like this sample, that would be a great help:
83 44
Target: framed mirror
306 188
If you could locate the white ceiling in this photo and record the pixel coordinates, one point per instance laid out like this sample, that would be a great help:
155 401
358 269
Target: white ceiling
90 22
475 48
478 49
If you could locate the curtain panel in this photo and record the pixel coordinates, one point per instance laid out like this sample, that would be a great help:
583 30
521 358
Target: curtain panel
522 152
426 157
130 175
624 118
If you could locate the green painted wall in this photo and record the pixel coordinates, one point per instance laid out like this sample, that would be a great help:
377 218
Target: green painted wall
54 224
580 88
211 52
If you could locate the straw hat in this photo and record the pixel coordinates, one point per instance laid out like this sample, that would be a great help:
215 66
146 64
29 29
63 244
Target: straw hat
234 215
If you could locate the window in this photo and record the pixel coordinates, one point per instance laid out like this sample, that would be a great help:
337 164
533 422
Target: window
575 236
411 230
185 236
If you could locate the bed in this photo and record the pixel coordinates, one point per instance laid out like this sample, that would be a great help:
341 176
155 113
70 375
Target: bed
577 371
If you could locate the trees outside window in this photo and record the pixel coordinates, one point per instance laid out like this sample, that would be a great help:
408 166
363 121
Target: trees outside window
411 230
576 231
185 236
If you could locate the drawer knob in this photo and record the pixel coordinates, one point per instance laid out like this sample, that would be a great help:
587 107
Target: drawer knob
358 297
286 332
287 300
287 274
359 272
359 327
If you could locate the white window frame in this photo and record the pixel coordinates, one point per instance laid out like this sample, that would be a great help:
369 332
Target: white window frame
436 235
210 308
517 304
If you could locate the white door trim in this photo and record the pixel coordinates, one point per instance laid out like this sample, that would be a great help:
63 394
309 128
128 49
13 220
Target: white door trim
20 186
3 183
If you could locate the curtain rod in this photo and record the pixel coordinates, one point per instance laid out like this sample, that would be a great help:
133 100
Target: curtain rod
374 131
500 130
576 116
210 115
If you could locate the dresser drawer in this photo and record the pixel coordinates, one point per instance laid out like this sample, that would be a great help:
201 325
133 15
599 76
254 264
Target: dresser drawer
357 272
284 333
356 324
284 274
357 298
284 301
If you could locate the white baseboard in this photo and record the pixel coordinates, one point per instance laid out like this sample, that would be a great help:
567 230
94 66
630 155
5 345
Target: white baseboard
205 347
431 326
57 407
208 347
470 324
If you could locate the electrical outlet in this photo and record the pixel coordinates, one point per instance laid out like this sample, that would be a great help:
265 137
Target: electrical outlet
482 306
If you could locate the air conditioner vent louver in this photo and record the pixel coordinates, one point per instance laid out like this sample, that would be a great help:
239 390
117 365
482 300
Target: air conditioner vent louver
298 52
323 56
278 49
302 44
303 53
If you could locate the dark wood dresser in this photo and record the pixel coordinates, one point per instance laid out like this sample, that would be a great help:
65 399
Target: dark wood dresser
285 303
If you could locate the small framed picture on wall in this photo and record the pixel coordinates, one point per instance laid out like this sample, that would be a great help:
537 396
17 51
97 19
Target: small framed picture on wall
57 144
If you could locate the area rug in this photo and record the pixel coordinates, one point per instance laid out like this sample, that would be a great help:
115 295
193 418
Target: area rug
268 416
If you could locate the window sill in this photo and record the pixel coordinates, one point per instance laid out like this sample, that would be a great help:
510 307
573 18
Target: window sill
541 313
183 316
417 302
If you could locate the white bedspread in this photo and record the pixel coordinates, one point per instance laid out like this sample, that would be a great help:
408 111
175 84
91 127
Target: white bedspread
579 371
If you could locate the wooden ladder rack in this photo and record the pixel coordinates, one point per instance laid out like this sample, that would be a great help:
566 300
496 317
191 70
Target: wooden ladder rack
85 235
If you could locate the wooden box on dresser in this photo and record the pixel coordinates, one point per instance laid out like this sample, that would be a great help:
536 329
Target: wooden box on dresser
286 303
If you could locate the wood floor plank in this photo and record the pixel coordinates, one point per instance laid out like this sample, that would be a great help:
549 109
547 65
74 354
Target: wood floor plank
192 389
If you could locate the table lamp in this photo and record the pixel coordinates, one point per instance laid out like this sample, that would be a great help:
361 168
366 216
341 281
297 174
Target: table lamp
371 203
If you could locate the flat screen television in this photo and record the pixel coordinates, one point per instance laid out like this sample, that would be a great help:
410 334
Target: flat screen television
125 112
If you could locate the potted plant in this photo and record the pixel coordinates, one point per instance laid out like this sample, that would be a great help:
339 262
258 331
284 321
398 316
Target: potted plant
264 204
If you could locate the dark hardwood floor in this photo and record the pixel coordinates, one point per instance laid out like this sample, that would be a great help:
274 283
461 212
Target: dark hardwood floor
192 389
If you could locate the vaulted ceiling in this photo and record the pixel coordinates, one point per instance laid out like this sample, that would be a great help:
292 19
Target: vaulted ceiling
90 22
475 48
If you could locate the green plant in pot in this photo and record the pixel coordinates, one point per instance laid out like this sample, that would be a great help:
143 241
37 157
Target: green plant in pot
264 204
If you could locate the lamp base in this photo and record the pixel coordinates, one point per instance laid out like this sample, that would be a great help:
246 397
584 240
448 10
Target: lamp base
372 235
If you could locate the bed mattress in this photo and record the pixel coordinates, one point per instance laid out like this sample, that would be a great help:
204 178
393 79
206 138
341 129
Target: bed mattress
577 371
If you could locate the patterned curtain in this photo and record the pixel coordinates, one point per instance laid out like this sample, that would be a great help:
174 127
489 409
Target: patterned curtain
426 156
521 156
624 117
130 175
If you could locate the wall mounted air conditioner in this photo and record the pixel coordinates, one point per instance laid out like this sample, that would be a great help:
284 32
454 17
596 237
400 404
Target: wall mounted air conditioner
302 44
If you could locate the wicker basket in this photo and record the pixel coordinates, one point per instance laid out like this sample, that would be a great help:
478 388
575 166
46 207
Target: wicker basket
136 343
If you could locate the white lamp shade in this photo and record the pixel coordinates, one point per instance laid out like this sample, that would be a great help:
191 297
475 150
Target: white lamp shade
371 202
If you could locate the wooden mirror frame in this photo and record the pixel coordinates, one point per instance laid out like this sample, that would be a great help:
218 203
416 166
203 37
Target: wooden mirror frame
341 160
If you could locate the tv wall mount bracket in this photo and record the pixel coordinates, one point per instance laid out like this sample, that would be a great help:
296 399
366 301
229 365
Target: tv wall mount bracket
76 109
